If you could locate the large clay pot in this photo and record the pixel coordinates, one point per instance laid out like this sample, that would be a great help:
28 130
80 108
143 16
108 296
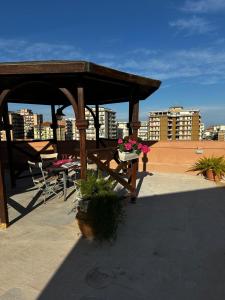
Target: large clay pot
84 225
210 175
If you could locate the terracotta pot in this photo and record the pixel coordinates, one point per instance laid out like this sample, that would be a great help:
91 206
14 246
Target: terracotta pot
84 225
210 175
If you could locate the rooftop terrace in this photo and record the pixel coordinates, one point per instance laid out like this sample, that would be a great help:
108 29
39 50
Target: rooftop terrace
171 246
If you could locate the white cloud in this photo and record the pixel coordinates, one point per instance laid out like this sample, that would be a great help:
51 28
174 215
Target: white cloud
193 25
203 6
17 50
203 66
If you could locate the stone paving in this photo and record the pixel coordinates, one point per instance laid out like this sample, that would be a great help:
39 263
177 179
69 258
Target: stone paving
171 246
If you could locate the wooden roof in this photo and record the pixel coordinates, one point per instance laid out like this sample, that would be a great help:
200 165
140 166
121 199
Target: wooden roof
39 82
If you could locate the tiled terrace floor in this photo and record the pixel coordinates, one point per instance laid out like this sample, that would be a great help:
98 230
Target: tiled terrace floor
172 246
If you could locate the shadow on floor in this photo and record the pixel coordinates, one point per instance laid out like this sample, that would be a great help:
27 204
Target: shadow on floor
171 247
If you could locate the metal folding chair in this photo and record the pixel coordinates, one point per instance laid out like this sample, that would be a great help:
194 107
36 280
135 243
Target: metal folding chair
48 158
48 185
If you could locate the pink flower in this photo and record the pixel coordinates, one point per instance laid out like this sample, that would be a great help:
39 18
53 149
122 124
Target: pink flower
132 142
145 149
120 141
128 146
140 146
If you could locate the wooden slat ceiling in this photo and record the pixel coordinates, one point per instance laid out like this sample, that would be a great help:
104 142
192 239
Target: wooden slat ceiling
101 85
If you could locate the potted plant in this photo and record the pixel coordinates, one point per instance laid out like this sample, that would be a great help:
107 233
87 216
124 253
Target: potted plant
100 208
130 148
213 168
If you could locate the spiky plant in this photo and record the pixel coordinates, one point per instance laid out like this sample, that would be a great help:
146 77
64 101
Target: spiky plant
216 164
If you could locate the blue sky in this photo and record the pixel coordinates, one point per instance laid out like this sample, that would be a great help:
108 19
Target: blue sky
181 43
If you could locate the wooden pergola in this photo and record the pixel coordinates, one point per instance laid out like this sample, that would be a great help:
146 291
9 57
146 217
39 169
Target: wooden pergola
77 83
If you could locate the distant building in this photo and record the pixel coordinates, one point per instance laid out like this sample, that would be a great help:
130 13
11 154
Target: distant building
71 130
202 129
29 121
17 132
107 120
143 131
221 135
22 122
122 129
214 132
176 123
43 131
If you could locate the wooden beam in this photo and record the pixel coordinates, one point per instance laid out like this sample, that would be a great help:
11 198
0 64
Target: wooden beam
82 125
134 126
9 144
4 218
97 125
71 99
54 125
112 173
130 116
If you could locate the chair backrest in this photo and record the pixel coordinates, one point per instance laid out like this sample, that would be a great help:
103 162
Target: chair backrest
48 156
36 171
47 159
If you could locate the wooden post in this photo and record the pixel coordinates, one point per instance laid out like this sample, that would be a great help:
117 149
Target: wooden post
4 218
9 144
134 125
54 126
97 125
82 125
130 116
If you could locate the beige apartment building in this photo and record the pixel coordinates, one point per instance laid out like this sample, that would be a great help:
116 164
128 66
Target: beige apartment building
143 131
176 123
17 123
215 132
29 121
107 120
122 129
70 129
43 131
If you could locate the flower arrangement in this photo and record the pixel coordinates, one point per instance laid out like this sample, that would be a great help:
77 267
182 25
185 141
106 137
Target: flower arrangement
130 144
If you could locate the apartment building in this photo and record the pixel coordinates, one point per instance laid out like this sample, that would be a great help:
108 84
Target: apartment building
215 132
122 129
176 123
143 131
43 131
17 123
29 121
71 130
108 126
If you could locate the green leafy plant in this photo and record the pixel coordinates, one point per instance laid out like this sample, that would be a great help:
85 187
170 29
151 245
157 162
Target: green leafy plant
216 164
100 206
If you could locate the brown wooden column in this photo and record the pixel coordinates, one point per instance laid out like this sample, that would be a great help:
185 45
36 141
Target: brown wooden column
4 218
97 125
54 126
130 117
7 128
82 125
134 126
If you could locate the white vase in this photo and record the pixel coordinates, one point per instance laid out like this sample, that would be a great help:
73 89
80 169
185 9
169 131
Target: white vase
124 156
